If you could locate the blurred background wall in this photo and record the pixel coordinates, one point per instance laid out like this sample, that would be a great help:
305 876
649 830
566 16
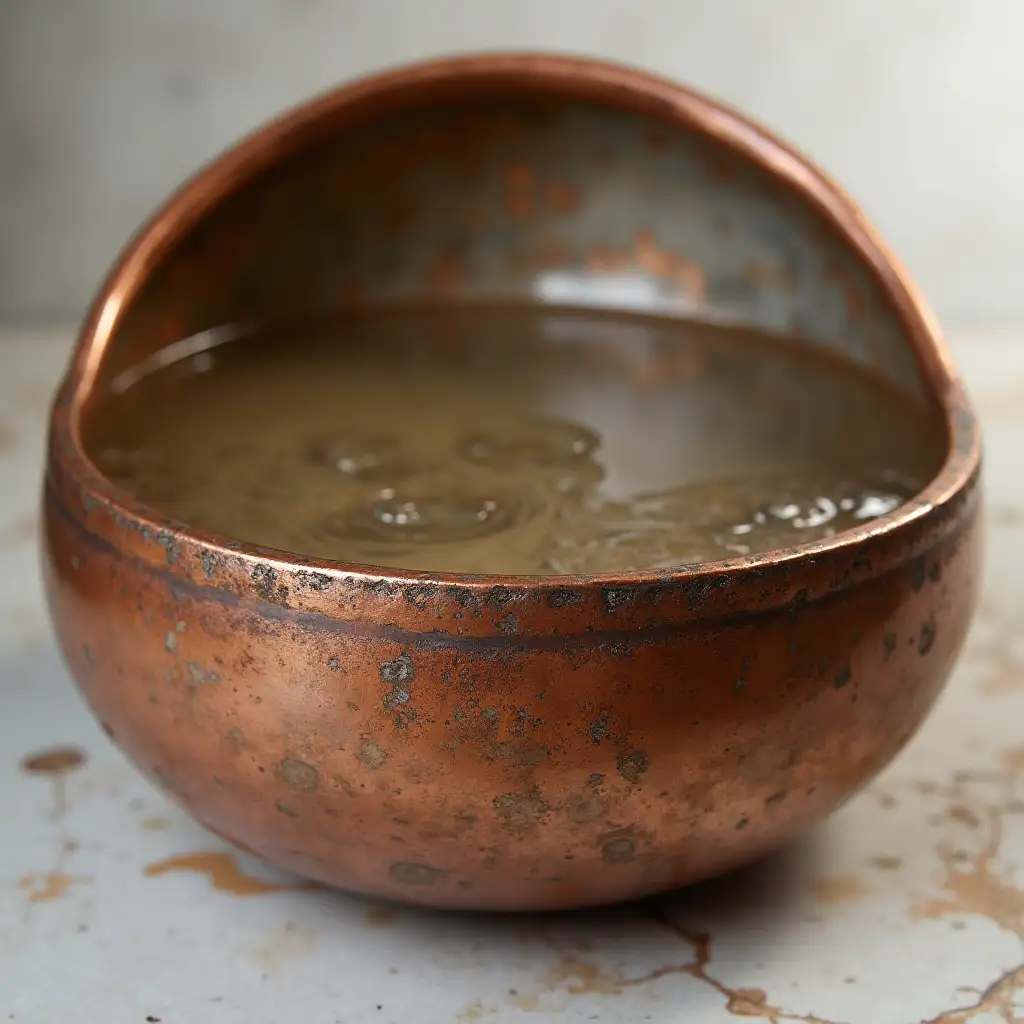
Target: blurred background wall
917 106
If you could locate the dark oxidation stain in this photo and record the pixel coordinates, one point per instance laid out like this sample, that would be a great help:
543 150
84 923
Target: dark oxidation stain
499 598
54 761
560 597
926 639
297 774
842 677
918 574
399 673
615 597
400 670
889 642
286 809
521 811
632 764
317 581
407 872
264 577
620 850
585 807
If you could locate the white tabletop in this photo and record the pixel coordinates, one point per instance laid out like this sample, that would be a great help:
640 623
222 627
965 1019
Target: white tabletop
906 907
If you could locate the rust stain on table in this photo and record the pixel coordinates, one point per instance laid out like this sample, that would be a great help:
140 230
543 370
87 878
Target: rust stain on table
223 872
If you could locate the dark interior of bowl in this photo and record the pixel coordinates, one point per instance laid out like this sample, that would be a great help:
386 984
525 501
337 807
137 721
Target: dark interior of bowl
507 197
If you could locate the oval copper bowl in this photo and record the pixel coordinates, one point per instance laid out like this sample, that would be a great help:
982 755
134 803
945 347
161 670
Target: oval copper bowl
560 741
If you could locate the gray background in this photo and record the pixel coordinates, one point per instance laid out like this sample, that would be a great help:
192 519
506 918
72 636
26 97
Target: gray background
917 106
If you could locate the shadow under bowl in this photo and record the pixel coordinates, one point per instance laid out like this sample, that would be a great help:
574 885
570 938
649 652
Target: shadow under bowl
566 740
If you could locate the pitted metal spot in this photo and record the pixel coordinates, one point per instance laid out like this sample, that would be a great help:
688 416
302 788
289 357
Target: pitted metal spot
200 674
398 695
509 625
561 597
632 764
264 577
399 673
371 754
407 872
620 850
499 598
298 774
521 811
585 807
616 597
209 562
316 581
399 670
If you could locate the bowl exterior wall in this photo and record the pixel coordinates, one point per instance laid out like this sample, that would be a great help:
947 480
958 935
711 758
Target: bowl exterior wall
502 772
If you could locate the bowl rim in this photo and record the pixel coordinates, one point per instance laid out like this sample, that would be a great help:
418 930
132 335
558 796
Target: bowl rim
555 76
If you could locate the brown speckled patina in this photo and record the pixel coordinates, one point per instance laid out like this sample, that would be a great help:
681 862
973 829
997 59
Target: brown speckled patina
511 742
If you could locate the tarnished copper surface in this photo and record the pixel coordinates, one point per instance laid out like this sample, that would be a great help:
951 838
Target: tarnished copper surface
510 742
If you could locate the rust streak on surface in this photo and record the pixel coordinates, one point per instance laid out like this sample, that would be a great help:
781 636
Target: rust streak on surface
997 998
54 761
740 1002
971 883
688 276
223 872
48 887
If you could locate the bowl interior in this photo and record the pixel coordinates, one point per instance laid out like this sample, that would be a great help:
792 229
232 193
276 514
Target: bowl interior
507 194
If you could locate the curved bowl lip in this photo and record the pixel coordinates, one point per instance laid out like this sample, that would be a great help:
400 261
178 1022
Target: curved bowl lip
556 76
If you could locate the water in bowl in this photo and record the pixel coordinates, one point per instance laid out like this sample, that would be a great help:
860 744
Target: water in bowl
512 441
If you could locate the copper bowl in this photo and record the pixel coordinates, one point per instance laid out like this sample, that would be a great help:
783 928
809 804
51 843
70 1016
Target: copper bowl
565 740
